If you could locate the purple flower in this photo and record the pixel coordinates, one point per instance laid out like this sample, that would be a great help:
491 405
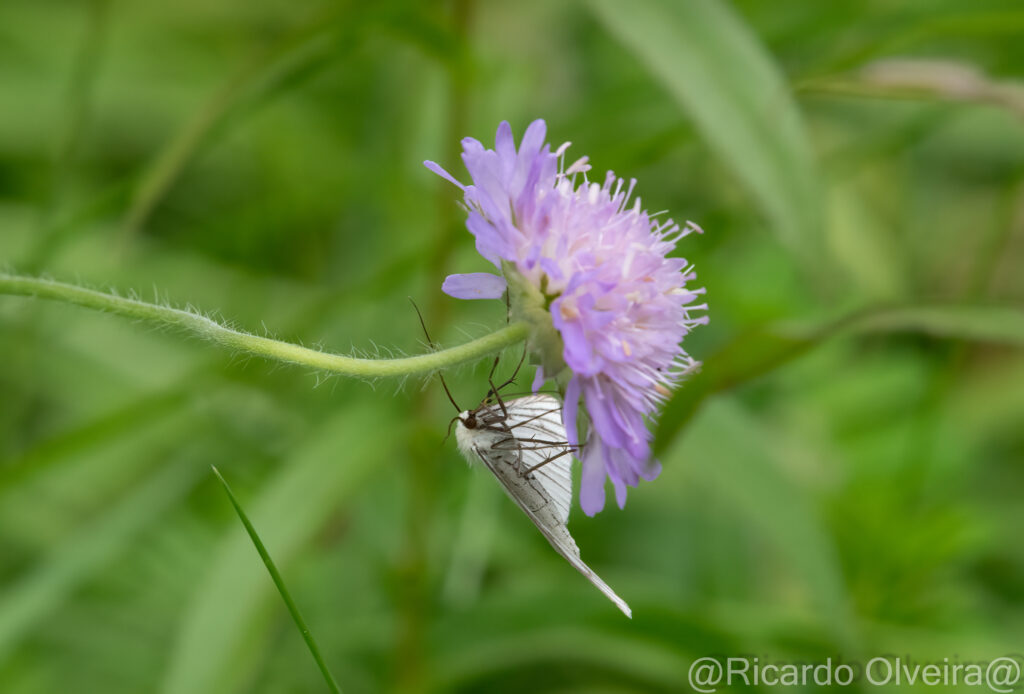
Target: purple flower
596 269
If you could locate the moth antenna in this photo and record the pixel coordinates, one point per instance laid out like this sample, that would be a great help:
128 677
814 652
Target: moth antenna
446 436
430 343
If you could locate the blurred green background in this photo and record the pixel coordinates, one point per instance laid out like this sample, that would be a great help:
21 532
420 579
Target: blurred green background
825 493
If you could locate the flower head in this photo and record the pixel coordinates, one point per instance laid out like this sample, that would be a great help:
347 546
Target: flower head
592 273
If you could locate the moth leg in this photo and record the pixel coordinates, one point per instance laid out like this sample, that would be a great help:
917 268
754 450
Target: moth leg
541 444
513 444
494 390
535 417
512 379
518 366
545 462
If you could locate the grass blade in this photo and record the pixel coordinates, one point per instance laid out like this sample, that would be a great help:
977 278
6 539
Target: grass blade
275 576
216 647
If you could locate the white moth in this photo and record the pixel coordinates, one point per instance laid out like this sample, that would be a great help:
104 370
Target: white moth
523 443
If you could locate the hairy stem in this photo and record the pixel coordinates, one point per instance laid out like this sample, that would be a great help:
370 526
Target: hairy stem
224 336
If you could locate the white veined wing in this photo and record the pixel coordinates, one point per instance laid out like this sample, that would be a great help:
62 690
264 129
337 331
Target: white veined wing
524 445
535 423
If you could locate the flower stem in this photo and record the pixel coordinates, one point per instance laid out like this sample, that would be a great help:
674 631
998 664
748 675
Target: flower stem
224 336
275 576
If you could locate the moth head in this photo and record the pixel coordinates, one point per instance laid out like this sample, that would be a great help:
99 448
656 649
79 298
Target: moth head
466 419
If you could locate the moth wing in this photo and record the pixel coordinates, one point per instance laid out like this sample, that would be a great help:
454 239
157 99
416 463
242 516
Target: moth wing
531 423
536 424
563 543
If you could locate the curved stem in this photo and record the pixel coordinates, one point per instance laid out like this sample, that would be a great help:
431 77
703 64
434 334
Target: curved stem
224 336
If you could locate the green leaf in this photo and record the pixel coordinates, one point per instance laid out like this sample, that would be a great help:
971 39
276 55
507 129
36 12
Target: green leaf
761 350
731 88
215 644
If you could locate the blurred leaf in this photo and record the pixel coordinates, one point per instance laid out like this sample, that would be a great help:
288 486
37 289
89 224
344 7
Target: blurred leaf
211 653
471 547
758 351
268 72
652 665
864 245
41 591
924 79
96 432
739 462
906 32
730 86
997 324
751 354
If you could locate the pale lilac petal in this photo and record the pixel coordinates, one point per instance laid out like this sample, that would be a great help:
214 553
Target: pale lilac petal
569 410
533 140
474 285
578 352
552 269
505 146
597 406
538 379
436 168
651 469
626 466
489 241
471 147
592 480
620 493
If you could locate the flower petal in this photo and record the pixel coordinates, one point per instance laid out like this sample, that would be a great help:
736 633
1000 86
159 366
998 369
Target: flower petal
569 410
592 480
620 492
474 285
489 241
538 379
533 140
651 469
505 146
436 168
